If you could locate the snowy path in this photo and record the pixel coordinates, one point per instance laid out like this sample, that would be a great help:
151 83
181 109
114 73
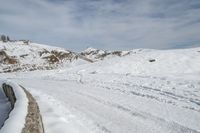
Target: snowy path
4 107
117 105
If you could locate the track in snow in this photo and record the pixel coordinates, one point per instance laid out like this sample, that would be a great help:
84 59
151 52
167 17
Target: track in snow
109 107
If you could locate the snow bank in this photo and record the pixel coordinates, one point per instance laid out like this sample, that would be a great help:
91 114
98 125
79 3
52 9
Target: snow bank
16 120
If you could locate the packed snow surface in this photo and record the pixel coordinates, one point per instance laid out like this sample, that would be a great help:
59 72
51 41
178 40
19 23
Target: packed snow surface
154 91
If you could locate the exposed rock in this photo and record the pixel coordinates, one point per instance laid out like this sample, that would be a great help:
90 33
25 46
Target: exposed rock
43 52
63 55
118 53
95 54
51 59
152 60
24 55
5 59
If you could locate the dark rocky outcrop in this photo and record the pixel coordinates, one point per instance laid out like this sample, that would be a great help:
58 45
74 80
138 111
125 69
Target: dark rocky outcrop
58 56
152 60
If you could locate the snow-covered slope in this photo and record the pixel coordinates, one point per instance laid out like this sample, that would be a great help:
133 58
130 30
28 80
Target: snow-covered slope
96 54
19 56
148 61
23 56
140 91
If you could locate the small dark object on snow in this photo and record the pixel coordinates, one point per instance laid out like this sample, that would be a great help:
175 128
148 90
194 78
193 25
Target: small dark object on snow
94 72
152 60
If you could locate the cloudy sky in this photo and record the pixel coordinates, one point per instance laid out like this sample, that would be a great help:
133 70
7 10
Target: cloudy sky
106 24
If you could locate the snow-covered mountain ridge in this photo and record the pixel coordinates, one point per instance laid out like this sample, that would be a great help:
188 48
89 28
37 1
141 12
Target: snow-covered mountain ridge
149 61
96 54
20 56
15 56
23 56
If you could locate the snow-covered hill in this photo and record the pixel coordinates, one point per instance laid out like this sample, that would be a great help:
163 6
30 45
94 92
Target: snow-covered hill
148 61
20 56
97 54
136 91
23 56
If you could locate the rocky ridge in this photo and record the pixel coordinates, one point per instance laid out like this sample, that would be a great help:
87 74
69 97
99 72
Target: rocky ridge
22 56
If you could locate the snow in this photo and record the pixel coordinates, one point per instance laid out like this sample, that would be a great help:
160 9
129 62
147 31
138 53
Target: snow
116 104
89 50
14 49
166 62
96 54
120 94
16 120
32 51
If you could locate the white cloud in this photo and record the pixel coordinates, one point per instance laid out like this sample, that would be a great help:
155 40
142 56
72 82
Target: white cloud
109 24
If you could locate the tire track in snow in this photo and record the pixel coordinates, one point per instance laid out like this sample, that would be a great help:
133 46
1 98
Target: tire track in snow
171 126
156 94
